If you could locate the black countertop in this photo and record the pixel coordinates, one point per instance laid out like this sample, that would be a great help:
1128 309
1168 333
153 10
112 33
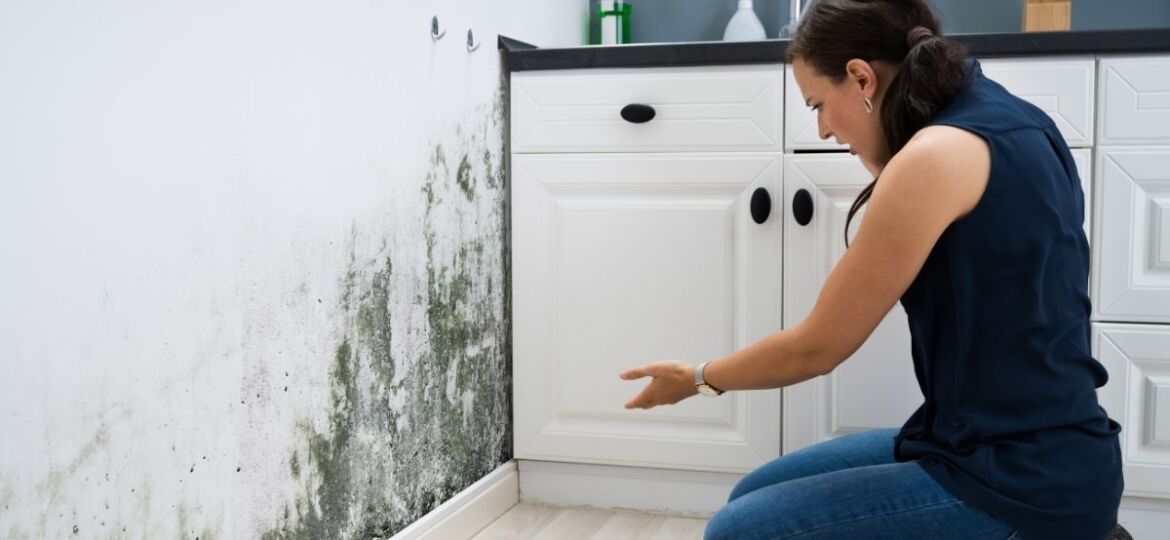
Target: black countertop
522 56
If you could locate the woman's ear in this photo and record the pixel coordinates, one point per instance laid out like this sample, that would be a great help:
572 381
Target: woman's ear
862 74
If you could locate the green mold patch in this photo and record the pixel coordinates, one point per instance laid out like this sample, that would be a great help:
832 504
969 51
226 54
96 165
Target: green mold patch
403 435
464 179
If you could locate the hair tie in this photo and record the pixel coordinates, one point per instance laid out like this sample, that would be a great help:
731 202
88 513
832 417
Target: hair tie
916 35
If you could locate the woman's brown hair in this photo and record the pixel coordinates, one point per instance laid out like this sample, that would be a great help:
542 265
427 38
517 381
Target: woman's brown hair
931 68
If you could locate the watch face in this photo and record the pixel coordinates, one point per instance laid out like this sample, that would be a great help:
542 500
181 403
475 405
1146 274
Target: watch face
707 390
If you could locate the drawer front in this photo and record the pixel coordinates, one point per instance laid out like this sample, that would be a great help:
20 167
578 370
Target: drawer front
1131 250
1137 357
1135 100
728 108
800 122
1063 88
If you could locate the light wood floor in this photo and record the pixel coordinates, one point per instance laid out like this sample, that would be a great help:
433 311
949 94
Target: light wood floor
525 521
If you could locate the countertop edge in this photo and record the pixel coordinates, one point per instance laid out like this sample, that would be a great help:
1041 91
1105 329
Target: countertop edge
523 56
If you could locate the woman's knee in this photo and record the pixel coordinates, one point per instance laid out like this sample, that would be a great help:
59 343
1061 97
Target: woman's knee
722 525
743 487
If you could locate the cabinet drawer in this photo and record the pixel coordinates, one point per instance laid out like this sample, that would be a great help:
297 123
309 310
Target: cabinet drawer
1131 250
800 122
704 108
1063 88
1135 100
1137 395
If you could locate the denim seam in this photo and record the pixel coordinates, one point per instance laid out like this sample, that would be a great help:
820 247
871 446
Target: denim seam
871 516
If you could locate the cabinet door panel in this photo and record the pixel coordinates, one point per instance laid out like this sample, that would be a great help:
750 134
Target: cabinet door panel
621 260
1131 253
1135 101
1138 396
875 388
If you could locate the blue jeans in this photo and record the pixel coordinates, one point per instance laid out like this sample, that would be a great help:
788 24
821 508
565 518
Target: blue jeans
849 488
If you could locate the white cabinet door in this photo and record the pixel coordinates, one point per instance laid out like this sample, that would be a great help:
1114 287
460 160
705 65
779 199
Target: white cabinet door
1061 87
624 259
1131 251
1138 396
875 388
1135 101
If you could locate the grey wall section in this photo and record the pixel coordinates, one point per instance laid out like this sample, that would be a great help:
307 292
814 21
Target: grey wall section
669 21
1111 14
986 16
703 20
966 17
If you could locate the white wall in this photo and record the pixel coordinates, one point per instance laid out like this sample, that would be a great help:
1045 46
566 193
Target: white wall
186 191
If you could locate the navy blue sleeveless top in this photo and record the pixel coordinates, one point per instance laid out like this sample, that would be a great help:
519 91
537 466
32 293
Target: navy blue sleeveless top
999 325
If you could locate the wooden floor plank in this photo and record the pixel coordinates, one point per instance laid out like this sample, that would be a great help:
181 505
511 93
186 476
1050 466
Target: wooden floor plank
537 522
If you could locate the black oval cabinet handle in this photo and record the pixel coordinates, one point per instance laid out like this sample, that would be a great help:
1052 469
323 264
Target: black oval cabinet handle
802 207
637 113
761 205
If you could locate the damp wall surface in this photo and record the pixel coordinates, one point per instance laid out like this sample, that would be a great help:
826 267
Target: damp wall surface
253 263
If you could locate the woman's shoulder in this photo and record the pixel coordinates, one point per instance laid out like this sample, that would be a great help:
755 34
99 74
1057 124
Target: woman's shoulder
954 162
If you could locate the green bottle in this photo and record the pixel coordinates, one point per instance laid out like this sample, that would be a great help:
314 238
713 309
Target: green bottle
614 22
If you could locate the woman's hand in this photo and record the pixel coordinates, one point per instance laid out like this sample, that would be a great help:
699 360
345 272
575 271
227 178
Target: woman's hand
673 381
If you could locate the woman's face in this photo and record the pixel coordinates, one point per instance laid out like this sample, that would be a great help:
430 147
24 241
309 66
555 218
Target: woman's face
840 108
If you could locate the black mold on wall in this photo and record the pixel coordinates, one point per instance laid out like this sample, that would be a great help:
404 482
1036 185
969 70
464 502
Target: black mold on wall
375 467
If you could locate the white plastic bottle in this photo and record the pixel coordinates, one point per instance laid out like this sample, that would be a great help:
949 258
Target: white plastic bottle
744 25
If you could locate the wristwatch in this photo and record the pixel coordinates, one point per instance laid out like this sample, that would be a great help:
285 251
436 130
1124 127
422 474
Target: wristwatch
701 384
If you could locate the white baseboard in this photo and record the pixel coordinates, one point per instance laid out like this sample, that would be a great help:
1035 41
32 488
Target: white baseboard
470 510
682 493
1145 518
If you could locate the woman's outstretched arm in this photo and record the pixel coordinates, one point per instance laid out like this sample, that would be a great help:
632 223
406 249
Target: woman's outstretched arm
936 179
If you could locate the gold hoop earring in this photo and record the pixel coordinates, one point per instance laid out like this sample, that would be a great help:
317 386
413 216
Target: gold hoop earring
868 106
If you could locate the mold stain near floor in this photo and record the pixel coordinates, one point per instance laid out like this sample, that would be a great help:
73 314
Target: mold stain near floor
403 435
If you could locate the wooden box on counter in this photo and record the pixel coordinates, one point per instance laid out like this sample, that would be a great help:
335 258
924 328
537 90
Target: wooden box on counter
1047 15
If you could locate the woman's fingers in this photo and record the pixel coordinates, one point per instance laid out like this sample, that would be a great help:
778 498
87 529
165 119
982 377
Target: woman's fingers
632 373
668 381
641 401
639 372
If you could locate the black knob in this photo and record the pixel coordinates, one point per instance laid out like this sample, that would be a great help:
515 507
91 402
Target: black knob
802 207
638 113
761 205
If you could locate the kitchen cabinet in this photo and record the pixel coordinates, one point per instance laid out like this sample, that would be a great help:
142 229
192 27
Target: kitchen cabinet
1131 263
634 241
629 245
